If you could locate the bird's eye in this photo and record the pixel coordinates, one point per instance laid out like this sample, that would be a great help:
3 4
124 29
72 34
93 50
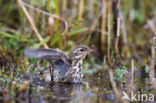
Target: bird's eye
81 50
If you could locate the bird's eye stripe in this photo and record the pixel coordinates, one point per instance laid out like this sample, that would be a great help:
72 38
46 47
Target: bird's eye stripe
78 49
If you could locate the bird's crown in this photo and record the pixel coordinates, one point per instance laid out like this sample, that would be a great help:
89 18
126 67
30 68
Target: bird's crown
80 52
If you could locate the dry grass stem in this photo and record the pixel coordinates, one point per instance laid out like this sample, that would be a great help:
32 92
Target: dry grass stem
46 13
31 22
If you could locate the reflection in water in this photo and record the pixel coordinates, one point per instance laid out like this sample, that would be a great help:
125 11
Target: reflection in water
64 92
57 92
96 91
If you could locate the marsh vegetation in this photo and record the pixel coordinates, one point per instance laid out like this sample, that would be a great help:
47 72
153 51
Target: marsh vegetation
122 33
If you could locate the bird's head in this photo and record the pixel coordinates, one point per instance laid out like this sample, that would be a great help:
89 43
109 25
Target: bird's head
80 52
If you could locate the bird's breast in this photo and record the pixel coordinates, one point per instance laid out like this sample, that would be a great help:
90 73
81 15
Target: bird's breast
77 74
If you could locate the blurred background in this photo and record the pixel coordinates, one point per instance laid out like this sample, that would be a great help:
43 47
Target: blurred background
119 31
78 22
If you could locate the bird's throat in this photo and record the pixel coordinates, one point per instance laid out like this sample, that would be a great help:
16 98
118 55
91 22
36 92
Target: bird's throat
77 62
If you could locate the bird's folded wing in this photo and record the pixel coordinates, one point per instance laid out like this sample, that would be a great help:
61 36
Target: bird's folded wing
49 54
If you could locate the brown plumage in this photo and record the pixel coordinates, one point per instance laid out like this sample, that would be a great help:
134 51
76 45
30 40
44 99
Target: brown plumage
66 68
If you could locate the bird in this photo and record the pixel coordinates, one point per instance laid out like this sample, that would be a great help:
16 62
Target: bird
65 68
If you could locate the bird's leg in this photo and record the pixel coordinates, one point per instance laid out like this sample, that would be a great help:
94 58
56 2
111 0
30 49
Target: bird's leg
51 73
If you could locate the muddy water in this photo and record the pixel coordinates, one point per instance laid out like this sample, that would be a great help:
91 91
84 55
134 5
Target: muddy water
96 89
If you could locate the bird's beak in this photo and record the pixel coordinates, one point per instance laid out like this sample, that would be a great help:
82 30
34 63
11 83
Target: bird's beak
90 50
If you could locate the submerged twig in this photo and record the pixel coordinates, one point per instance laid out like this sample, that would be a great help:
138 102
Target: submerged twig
152 66
131 82
132 73
116 91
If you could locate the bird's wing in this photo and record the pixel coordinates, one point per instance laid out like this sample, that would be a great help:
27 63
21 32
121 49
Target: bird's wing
62 67
49 54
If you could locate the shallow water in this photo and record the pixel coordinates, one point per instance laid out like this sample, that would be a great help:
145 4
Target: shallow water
95 89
